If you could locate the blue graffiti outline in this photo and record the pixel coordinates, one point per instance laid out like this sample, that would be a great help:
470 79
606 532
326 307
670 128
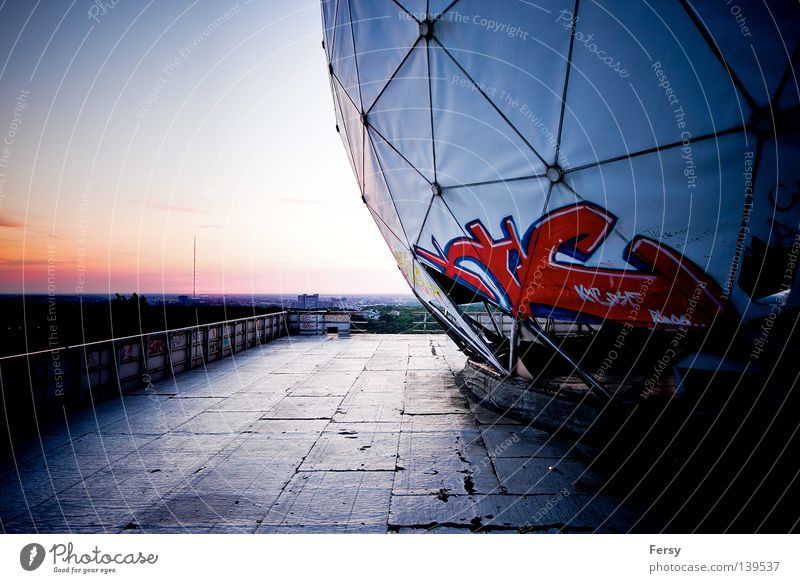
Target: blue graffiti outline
508 227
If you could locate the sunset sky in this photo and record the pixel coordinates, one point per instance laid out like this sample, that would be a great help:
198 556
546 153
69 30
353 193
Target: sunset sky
128 127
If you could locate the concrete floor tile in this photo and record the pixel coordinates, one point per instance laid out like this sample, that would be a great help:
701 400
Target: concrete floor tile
333 500
304 408
304 435
355 446
510 441
525 476
446 463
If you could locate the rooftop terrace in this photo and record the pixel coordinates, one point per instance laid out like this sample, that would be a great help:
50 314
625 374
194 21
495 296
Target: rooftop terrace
304 434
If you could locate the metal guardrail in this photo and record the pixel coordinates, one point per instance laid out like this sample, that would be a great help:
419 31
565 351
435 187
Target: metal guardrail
427 325
75 373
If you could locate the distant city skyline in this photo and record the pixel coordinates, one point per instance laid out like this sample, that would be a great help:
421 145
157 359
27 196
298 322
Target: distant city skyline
126 129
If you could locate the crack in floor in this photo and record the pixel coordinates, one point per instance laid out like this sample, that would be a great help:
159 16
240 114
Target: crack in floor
272 473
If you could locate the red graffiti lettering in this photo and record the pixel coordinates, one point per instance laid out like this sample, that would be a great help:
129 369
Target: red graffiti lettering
155 346
544 272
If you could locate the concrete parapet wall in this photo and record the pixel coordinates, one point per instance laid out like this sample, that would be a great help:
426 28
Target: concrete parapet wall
319 322
45 381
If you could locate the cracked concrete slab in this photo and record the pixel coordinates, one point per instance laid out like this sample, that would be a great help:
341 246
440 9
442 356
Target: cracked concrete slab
348 500
304 408
526 442
332 384
523 476
270 426
355 446
364 406
438 422
304 435
444 463
426 404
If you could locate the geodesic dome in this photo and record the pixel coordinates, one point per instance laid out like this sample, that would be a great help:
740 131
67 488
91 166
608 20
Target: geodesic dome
589 161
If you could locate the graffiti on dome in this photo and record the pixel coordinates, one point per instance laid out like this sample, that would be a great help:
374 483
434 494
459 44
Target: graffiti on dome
544 272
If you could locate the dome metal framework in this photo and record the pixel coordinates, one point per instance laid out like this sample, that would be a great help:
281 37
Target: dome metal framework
609 162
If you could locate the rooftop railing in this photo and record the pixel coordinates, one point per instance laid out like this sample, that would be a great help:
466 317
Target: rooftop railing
75 374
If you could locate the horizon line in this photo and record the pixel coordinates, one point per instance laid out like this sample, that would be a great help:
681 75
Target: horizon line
153 293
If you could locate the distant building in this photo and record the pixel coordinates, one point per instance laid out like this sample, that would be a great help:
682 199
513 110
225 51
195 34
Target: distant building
370 314
308 301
